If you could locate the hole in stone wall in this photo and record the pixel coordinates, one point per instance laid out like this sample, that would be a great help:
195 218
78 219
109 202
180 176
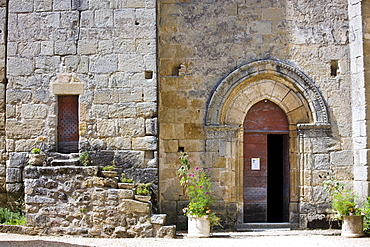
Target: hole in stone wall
137 23
181 150
175 70
149 154
148 75
334 67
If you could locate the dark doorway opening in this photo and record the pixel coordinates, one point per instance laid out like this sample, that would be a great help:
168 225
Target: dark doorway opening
275 181
68 135
266 164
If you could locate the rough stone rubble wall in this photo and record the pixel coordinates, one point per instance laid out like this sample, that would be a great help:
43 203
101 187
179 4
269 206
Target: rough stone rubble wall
107 46
202 42
76 201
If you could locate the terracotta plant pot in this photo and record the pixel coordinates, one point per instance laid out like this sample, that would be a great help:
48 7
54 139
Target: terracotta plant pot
198 227
352 226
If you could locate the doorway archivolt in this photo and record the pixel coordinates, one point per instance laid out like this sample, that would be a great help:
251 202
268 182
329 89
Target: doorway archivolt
264 80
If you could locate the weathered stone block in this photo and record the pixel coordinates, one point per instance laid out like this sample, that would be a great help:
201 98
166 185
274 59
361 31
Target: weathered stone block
167 232
104 64
20 6
132 127
125 194
65 47
129 159
106 128
61 5
104 18
321 161
133 206
20 66
43 5
13 175
147 109
145 143
17 160
151 126
15 188
87 47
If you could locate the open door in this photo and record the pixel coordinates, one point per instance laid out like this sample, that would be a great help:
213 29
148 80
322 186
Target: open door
266 164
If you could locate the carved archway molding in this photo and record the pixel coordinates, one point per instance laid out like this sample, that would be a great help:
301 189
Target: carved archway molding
269 79
286 86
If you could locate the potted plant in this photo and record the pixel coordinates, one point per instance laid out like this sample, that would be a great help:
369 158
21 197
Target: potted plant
126 183
142 192
108 171
344 205
197 186
36 158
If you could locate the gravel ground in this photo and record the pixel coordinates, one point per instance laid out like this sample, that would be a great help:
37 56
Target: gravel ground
268 238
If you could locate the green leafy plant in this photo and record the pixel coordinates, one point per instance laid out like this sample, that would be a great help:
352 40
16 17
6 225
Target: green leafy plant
143 189
125 180
367 215
84 158
197 186
343 201
35 151
108 168
8 217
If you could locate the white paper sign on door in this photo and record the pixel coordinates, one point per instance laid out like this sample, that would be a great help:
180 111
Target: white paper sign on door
255 163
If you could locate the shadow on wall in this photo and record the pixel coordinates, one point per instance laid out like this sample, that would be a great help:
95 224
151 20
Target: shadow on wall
38 243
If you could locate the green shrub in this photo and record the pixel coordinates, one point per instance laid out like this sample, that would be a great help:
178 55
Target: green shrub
84 158
8 217
35 151
367 216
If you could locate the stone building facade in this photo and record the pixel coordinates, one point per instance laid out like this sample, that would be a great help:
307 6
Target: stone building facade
145 79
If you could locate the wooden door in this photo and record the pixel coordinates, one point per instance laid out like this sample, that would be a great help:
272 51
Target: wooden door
266 167
68 124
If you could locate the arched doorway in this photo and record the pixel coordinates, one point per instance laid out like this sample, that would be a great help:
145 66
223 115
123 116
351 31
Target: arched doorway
266 164
252 83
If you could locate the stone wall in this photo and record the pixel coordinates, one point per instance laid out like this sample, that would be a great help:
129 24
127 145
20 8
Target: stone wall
204 44
102 51
79 201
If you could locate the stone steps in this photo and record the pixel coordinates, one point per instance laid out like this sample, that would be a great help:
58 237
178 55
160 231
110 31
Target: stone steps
70 162
284 226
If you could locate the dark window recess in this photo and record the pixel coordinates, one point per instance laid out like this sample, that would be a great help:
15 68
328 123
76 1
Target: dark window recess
181 149
148 75
334 67
149 154
68 135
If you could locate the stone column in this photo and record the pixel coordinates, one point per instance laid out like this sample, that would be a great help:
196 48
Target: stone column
358 10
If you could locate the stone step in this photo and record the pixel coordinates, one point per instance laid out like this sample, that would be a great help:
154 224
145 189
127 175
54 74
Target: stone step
69 162
284 226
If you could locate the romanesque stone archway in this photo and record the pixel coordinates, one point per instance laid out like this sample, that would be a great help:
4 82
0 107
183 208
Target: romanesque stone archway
265 80
292 86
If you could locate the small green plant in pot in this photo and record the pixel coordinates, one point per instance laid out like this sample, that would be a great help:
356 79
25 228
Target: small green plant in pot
143 189
142 192
126 183
126 180
108 168
36 158
346 206
108 171
197 186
